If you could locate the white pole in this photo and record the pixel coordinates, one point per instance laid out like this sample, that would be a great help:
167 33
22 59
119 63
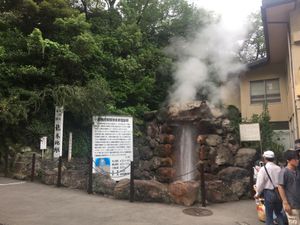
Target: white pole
70 147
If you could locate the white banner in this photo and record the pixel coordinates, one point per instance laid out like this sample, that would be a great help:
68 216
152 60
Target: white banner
43 143
112 146
250 132
58 131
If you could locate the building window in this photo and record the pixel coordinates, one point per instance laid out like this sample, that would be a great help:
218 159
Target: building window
280 125
264 91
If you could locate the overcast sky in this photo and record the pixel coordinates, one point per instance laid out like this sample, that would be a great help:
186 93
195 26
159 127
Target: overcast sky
234 12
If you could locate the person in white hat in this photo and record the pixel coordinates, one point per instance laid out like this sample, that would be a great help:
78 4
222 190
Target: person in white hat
266 184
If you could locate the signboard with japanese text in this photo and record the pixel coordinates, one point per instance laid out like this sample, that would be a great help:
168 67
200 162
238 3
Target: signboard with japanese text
58 131
250 132
112 146
43 143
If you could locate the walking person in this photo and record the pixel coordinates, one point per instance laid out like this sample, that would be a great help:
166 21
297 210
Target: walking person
289 187
297 148
266 183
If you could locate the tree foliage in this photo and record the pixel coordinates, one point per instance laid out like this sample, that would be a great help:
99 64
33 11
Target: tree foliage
254 47
92 56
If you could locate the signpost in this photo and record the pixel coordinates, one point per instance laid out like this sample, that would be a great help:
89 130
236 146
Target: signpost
250 132
43 145
70 147
58 131
112 146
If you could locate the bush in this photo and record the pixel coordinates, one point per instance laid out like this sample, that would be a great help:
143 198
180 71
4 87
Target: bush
81 145
266 133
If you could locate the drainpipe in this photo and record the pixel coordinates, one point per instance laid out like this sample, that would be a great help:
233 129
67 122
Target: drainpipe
296 109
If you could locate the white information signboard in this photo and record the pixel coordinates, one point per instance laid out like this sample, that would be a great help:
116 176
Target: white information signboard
250 132
112 146
43 143
58 131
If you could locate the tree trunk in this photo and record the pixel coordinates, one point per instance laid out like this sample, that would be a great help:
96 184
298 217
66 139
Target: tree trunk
143 10
110 4
85 9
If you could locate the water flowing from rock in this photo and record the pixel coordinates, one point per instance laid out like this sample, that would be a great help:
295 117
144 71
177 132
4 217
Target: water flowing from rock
186 153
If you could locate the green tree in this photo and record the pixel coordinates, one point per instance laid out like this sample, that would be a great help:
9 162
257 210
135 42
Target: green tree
91 56
162 20
254 47
36 74
266 132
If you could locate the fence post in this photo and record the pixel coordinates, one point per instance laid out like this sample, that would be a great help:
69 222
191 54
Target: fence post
131 197
202 185
90 171
58 184
202 177
32 167
6 163
252 192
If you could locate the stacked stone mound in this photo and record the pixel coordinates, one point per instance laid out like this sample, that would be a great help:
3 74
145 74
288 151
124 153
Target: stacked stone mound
227 166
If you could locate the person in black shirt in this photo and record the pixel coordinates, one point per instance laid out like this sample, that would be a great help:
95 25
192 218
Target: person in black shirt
289 187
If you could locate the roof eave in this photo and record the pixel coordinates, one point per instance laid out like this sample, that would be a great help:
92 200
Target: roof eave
264 61
272 4
258 63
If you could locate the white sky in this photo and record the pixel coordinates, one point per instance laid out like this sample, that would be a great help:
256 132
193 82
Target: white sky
234 12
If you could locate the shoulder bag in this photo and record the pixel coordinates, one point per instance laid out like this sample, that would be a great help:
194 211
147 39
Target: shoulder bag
275 188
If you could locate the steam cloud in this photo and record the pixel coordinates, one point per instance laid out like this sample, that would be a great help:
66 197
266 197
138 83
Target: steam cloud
207 64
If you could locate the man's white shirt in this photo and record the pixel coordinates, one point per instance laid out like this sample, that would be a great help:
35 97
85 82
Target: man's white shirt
263 181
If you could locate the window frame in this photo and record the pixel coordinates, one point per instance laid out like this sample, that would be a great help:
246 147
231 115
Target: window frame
265 98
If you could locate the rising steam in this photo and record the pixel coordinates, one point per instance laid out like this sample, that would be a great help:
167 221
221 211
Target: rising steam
205 65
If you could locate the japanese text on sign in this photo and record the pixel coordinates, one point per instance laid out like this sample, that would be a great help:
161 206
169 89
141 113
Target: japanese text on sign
58 131
43 143
250 132
113 145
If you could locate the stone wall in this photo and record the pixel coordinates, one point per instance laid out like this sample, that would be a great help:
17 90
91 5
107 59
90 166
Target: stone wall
74 173
227 166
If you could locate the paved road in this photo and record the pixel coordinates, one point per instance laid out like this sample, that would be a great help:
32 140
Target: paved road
37 204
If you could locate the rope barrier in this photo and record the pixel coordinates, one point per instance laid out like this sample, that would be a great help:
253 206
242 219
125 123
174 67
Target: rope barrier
41 170
103 172
106 173
51 160
195 166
